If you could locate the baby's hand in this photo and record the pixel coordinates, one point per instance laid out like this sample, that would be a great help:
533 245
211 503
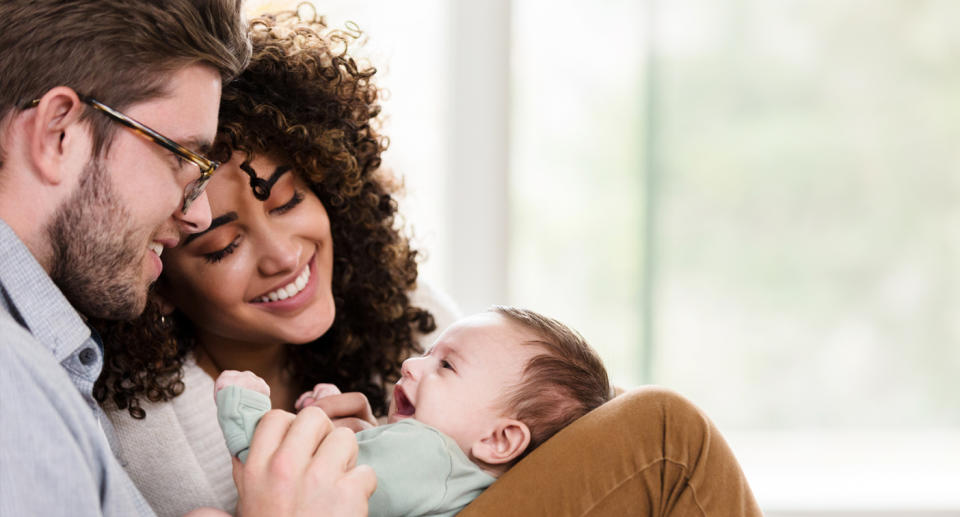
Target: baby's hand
309 398
247 380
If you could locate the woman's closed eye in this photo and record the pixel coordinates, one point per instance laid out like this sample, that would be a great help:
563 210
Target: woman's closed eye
289 205
219 255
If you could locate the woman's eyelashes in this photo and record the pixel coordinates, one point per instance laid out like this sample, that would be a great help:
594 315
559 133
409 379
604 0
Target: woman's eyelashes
219 255
286 207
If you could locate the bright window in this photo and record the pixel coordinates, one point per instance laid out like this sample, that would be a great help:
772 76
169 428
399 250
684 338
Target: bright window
756 203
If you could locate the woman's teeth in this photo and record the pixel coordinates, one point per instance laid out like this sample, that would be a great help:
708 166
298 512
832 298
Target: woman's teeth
288 290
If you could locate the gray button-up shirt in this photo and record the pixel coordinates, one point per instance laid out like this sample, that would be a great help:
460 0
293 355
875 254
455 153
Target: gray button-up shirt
55 457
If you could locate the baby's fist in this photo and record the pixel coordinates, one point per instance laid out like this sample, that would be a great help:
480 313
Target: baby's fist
248 380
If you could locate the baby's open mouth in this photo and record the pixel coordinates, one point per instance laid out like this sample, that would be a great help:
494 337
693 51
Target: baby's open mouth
404 407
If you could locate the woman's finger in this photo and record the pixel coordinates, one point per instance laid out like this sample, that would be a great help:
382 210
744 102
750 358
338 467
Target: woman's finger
346 405
325 390
321 390
305 399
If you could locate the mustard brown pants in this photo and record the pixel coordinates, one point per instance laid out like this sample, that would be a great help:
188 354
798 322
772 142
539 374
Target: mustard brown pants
648 452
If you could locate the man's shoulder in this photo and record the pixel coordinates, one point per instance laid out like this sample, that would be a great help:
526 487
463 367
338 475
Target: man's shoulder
50 438
32 378
18 348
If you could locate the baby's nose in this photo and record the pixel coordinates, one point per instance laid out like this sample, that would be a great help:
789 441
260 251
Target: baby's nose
412 367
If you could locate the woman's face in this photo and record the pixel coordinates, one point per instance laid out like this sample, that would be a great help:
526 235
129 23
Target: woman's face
261 274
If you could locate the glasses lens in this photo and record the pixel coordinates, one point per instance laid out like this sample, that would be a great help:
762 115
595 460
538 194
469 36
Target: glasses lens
193 191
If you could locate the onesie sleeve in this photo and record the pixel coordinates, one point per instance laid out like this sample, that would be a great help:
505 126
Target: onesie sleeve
238 411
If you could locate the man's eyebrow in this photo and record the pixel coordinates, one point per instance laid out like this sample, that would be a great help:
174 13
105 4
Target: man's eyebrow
199 145
228 217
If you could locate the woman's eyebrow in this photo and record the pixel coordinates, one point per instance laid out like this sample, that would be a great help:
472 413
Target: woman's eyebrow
228 217
261 187
279 171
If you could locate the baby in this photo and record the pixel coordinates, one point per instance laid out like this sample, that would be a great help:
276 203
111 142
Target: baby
493 387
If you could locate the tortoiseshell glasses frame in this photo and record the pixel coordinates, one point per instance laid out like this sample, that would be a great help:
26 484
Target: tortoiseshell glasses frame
207 167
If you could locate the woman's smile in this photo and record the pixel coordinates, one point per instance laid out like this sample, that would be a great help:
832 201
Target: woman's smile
263 273
291 294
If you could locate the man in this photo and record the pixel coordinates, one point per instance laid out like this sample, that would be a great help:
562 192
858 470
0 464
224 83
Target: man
106 108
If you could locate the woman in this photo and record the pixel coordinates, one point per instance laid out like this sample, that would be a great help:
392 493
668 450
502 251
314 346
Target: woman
302 277
303 250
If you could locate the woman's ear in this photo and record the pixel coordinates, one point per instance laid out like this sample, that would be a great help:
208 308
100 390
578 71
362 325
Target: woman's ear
505 442
56 139
160 300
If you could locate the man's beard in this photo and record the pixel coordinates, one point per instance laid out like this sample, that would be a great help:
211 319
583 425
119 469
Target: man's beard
96 259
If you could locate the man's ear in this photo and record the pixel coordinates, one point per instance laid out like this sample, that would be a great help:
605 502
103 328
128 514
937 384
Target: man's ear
57 141
506 441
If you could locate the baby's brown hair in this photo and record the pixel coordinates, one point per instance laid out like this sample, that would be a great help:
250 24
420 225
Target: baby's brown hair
561 384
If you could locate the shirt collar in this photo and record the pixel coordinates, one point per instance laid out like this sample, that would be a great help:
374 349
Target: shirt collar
41 307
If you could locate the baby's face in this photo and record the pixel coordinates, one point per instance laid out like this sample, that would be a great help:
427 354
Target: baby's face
458 386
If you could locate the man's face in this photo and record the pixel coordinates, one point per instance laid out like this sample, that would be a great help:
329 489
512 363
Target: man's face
107 238
458 386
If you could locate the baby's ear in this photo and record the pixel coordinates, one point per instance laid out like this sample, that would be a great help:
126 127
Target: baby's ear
506 441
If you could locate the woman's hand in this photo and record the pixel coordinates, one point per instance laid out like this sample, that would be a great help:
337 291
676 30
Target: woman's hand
351 410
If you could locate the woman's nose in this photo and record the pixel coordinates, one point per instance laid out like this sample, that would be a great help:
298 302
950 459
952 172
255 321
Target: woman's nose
279 255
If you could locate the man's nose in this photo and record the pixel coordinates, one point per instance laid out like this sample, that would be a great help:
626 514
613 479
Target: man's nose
197 218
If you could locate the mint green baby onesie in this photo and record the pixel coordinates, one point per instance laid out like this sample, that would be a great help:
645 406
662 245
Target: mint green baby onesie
420 471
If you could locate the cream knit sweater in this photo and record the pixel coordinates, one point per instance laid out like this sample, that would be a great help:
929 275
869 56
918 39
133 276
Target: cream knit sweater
177 456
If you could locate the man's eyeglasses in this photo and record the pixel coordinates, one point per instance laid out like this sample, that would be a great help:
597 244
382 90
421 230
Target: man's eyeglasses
207 166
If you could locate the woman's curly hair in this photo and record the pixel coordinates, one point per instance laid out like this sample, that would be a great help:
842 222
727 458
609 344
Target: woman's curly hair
302 98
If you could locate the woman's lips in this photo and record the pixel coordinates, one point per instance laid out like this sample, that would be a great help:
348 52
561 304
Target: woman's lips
289 289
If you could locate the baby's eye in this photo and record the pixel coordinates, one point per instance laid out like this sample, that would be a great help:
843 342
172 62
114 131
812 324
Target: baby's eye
446 364
217 256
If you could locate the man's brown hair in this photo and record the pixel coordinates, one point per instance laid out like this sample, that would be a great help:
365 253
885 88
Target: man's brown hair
561 384
117 51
